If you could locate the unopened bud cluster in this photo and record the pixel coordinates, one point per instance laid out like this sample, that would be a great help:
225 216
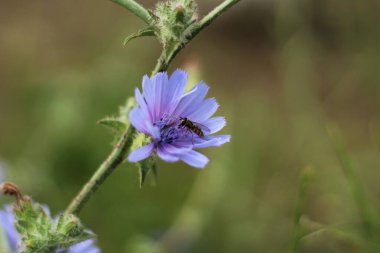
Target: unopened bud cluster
175 20
43 234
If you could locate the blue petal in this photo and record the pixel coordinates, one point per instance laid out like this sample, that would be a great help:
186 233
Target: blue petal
175 89
87 246
178 148
138 120
194 159
154 132
160 82
141 102
212 141
206 109
191 100
141 153
149 95
166 155
215 124
46 210
7 223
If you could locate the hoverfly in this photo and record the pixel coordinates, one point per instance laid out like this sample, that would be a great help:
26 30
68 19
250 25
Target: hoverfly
193 127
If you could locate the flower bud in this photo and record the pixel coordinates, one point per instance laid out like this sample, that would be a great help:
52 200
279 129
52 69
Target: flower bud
179 13
70 225
175 19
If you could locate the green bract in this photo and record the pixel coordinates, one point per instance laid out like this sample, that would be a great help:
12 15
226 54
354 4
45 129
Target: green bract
119 124
42 234
172 23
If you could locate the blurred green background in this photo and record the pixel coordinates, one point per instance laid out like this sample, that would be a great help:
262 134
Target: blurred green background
299 84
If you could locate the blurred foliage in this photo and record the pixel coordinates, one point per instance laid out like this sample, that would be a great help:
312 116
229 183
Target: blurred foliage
281 70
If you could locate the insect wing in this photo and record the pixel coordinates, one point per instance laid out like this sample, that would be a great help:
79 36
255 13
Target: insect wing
204 129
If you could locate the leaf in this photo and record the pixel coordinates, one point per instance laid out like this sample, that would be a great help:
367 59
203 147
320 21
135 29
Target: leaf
153 15
114 124
148 31
118 124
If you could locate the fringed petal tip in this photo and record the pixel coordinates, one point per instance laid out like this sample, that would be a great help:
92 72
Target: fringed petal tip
212 141
215 124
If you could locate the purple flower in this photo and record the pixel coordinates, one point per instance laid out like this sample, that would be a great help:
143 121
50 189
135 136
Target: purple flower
7 221
177 122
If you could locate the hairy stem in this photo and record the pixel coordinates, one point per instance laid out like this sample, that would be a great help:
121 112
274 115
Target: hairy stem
136 9
106 168
165 59
124 144
209 18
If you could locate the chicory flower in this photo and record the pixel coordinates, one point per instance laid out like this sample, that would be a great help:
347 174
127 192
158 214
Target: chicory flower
177 122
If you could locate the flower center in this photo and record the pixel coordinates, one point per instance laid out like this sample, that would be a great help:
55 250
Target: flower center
170 129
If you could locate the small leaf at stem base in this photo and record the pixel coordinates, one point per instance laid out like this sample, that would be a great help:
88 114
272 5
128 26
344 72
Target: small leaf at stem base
148 31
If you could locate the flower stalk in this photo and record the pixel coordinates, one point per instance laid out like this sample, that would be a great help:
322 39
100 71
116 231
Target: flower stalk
212 15
125 142
136 9
106 168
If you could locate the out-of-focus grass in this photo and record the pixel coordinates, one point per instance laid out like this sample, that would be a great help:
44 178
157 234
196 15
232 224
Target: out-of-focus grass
281 71
304 181
351 171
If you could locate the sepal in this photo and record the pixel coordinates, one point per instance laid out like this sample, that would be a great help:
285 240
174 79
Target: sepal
145 167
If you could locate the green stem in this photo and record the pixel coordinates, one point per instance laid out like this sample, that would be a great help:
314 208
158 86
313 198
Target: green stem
165 59
136 9
124 144
212 15
106 168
